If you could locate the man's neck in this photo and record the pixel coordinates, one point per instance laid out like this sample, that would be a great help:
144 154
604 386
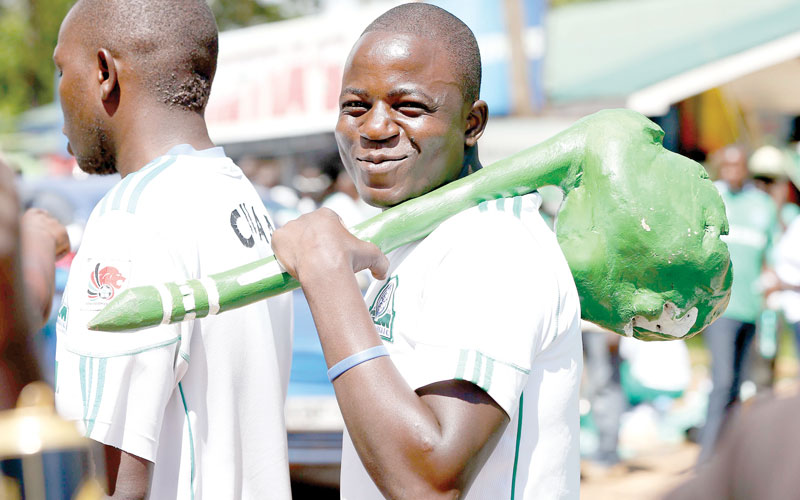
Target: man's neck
154 131
471 162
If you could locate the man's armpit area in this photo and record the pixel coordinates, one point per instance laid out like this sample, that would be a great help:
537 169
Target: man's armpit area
461 390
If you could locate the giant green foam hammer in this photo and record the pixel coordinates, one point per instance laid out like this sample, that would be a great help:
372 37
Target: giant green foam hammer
640 227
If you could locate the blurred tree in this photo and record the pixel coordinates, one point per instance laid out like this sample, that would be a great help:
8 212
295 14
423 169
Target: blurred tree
232 14
28 34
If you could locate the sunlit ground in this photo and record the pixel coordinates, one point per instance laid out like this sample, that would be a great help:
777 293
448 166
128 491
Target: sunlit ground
657 462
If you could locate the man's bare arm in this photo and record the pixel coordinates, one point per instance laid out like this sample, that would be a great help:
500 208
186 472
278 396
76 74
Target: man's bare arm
17 364
128 475
44 241
424 444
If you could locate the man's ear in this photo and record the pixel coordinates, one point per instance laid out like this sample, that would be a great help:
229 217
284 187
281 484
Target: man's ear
476 122
106 74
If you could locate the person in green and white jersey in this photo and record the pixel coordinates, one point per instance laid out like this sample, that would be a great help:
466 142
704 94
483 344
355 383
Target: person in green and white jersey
753 222
457 375
196 409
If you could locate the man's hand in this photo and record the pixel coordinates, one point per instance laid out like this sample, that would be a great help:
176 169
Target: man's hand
44 241
317 243
41 228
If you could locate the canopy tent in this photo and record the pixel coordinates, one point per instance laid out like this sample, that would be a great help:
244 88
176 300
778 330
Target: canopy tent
649 54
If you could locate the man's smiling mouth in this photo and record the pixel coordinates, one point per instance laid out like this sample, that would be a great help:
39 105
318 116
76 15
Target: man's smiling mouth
380 159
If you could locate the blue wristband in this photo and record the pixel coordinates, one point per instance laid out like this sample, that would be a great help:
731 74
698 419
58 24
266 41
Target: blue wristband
355 360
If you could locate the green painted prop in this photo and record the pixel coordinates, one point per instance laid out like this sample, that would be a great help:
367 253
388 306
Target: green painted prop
639 226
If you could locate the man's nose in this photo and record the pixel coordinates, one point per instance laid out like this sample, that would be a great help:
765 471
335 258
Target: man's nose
378 124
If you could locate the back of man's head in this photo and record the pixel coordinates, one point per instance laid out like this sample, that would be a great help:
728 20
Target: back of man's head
171 45
438 25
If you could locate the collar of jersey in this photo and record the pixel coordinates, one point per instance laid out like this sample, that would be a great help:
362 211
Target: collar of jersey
188 150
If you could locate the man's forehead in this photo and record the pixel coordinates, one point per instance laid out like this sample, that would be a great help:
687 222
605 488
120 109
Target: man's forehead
69 27
381 51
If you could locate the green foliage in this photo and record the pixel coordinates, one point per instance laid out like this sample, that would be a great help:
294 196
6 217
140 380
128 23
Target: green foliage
232 14
28 34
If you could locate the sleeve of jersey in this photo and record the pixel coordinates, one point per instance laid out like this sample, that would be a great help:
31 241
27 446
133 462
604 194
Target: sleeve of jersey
485 307
117 385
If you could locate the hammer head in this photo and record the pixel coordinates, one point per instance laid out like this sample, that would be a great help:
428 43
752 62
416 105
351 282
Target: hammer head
641 231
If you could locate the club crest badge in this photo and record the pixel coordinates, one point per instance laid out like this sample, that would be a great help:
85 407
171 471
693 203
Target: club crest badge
382 309
62 318
104 283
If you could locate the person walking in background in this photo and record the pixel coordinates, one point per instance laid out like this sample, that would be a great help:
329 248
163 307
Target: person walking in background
604 392
753 220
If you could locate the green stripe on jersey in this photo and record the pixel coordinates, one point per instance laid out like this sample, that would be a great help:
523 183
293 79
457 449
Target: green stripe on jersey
462 364
104 201
487 376
101 382
517 206
84 381
120 191
516 452
191 439
476 370
148 177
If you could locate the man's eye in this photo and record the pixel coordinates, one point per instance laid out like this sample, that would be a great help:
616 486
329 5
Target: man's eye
354 105
412 108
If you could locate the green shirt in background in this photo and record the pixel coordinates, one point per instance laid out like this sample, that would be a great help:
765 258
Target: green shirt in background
753 221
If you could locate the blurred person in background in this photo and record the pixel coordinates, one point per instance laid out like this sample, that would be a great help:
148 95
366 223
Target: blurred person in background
753 220
603 389
265 174
787 271
770 167
29 247
344 199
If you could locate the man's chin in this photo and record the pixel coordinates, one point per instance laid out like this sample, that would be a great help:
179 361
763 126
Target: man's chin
95 167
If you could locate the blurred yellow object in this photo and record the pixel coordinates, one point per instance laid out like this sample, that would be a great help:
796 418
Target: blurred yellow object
34 426
32 434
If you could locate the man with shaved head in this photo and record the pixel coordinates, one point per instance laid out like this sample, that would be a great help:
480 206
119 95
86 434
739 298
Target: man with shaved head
457 375
192 410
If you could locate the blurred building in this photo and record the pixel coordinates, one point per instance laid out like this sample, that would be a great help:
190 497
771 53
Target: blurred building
711 72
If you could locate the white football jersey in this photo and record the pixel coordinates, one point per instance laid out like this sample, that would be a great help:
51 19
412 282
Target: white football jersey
488 297
202 399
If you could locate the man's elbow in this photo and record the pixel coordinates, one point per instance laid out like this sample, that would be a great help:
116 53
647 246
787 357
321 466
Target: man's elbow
428 474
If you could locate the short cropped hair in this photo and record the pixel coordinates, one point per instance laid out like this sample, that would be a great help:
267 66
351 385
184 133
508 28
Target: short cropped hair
434 23
173 44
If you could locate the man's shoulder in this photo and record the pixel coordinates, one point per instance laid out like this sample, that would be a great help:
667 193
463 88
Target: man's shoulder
512 214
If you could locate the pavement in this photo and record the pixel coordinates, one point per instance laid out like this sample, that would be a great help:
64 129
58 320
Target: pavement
648 476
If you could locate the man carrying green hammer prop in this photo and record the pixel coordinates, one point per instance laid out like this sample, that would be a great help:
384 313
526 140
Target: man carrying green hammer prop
639 226
457 374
